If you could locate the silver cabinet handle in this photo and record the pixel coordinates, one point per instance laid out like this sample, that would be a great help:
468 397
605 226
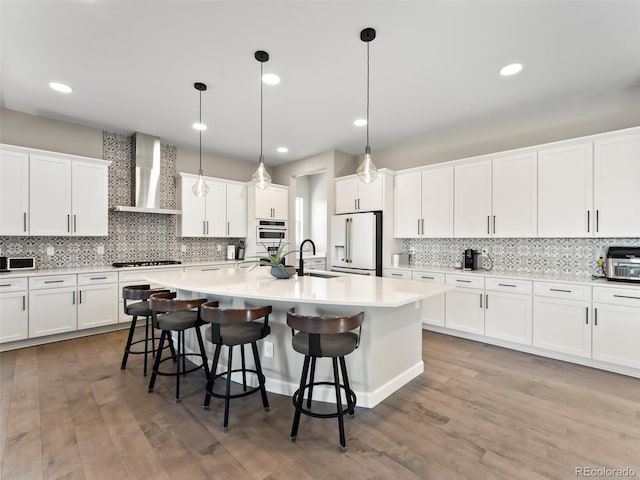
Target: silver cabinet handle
423 226
595 320
73 302
506 285
481 300
464 281
24 302
597 220
418 226
559 290
588 221
358 204
204 227
586 315
396 274
427 278
24 220
80 293
68 223
627 296
207 227
488 231
228 228
209 269
74 223
98 278
486 301
54 281
494 224
5 285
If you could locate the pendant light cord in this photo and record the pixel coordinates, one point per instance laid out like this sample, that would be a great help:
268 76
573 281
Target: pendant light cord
200 132
261 66
368 94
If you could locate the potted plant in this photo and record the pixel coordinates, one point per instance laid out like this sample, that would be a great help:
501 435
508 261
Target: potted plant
276 260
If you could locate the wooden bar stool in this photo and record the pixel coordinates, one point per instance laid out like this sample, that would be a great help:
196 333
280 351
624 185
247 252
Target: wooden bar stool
319 337
170 314
139 309
231 327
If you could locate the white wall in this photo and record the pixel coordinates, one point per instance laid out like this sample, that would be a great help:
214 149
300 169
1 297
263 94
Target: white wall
318 202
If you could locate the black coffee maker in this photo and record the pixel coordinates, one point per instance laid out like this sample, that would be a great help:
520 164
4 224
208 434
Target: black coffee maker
471 259
240 250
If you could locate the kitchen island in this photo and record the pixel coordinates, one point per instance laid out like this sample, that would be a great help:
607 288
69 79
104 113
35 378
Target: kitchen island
390 351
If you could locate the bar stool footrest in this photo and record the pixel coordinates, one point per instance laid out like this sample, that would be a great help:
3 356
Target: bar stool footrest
350 397
209 388
178 359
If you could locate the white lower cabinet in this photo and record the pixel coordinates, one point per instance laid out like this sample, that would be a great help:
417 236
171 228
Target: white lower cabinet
433 308
562 318
465 304
616 326
508 315
97 299
14 310
52 311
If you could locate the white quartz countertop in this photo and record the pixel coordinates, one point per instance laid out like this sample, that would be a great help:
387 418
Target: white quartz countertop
343 289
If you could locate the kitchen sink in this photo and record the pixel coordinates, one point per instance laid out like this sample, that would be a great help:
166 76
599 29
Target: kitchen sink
320 275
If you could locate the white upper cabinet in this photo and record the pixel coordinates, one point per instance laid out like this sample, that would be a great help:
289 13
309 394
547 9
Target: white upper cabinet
14 193
352 195
52 194
514 196
617 186
423 204
221 213
272 202
89 199
565 191
472 201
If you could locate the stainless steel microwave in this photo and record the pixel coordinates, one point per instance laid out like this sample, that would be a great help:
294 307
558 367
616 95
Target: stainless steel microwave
623 264
17 263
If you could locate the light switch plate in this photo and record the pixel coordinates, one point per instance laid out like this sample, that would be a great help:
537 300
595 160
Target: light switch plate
267 349
183 248
100 249
219 248
51 251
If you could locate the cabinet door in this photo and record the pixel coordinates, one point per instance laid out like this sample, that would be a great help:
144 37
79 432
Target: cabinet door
14 193
514 196
562 326
191 222
216 210
52 311
472 200
236 211
370 195
465 310
406 205
508 317
616 330
565 191
49 196
437 203
14 316
617 186
97 305
89 199
346 192
272 202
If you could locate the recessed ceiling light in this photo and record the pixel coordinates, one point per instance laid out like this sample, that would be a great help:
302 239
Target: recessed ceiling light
282 149
271 79
60 87
510 69
199 126
360 122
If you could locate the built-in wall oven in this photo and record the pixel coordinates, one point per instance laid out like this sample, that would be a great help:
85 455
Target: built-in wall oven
271 232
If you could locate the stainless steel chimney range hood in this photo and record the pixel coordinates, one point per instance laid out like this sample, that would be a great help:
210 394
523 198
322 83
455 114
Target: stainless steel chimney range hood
147 178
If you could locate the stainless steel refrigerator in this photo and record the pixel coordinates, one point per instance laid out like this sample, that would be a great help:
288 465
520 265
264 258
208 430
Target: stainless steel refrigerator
356 243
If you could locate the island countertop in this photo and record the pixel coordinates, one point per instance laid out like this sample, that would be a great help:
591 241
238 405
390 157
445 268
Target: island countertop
342 289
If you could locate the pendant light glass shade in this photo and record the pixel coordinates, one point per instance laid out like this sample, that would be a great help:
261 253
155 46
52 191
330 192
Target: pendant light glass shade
200 188
367 171
261 177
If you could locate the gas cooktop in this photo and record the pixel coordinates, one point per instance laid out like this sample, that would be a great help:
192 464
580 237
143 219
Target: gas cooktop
147 263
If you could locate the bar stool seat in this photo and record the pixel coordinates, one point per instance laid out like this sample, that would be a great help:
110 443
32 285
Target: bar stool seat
178 315
324 337
232 327
139 309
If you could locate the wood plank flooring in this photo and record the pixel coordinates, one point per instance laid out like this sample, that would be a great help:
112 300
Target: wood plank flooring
479 411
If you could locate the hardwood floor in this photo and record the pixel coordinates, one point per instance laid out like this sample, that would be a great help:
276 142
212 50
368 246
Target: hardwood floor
478 411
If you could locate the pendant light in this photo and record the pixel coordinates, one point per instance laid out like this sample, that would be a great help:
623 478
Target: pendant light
261 178
200 188
367 171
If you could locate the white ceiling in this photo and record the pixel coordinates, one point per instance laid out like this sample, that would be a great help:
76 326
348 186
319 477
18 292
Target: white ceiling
434 66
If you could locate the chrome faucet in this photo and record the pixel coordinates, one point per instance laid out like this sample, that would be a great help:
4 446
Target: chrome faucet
301 266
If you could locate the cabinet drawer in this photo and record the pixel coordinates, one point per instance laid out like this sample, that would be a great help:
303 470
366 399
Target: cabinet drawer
96 278
508 285
617 296
428 277
465 281
52 281
13 284
406 274
562 290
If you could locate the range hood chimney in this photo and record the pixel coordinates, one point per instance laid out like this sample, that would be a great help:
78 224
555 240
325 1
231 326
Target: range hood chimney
147 181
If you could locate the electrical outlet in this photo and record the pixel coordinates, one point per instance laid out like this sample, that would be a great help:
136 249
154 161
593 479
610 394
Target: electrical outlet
218 248
100 249
267 350
183 248
602 254
51 251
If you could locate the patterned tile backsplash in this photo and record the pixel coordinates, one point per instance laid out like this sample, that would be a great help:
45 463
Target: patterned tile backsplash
132 236
552 256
